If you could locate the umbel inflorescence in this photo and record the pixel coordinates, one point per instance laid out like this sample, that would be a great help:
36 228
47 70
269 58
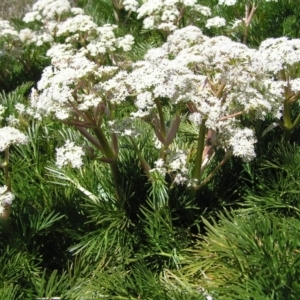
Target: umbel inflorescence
208 82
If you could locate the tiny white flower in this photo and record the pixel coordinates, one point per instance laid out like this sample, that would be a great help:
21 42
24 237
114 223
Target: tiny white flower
2 110
236 23
180 179
124 127
227 2
195 118
295 85
12 120
6 197
159 167
130 5
6 30
159 163
242 143
27 36
11 136
69 154
215 22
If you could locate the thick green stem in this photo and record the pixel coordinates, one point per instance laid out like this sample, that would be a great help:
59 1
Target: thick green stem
107 150
163 153
169 137
109 153
161 118
198 162
89 137
287 121
296 122
215 170
143 162
6 172
117 178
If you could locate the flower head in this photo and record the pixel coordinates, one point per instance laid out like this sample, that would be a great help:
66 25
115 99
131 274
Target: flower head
69 155
6 197
11 136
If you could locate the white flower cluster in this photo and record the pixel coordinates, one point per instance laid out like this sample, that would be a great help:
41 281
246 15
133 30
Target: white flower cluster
279 54
165 14
215 22
12 121
216 77
47 10
55 89
175 166
130 5
152 79
72 67
242 143
6 198
2 111
50 14
280 57
23 110
115 89
11 136
124 127
69 155
227 2
239 140
75 24
27 37
201 65
6 30
59 19
105 41
159 167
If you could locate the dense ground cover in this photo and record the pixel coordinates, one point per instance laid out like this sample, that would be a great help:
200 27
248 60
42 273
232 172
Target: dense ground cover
150 150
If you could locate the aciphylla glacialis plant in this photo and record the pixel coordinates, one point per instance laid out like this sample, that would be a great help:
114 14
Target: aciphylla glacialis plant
208 82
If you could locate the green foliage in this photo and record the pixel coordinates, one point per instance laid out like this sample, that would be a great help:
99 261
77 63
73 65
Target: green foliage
9 292
271 19
21 67
18 268
137 283
274 184
9 100
20 63
255 253
50 286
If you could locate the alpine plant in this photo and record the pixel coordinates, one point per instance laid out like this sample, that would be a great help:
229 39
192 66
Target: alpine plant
212 81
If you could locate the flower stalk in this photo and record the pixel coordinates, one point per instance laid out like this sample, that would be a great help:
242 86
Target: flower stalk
227 156
197 173
109 153
162 125
143 162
